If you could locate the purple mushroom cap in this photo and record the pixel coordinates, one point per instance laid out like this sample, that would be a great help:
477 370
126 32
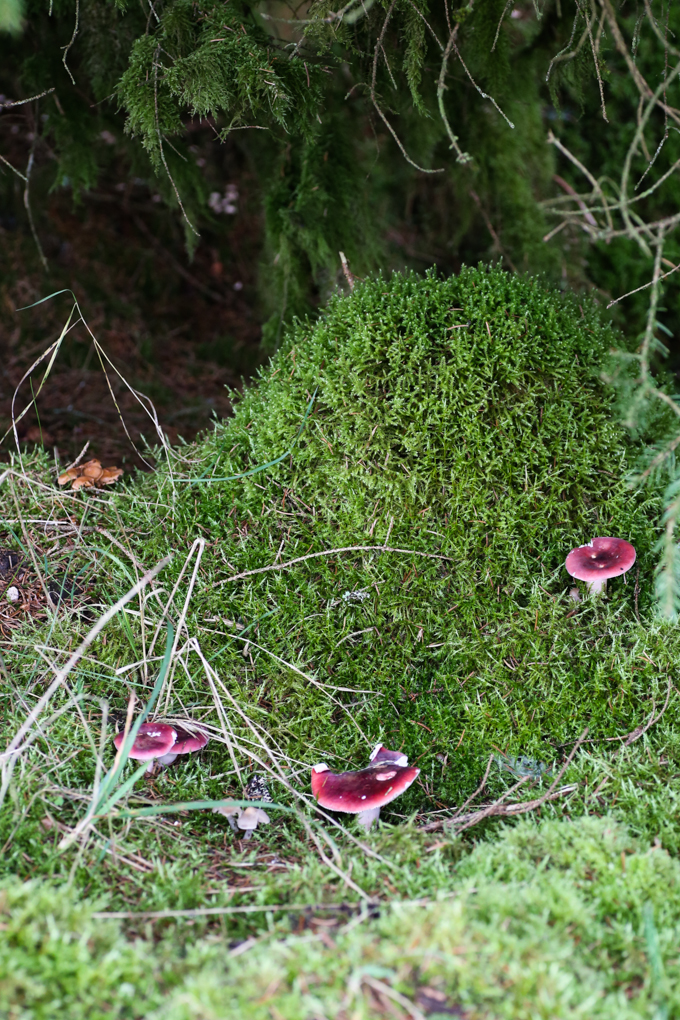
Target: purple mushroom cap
187 742
366 790
599 560
152 741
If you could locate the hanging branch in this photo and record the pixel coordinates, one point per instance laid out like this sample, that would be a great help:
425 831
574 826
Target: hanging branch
376 56
160 143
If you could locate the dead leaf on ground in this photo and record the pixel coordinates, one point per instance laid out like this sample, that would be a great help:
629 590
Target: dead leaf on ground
433 1000
89 475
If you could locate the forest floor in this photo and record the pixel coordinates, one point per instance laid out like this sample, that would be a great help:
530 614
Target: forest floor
183 333
296 621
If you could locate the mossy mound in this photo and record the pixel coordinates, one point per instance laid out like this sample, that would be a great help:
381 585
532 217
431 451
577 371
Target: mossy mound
475 402
490 450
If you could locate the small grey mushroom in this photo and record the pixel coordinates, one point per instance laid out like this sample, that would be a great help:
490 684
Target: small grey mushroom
250 818
230 812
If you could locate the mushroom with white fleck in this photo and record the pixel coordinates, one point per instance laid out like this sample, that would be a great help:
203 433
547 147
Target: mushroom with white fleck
153 741
599 560
365 792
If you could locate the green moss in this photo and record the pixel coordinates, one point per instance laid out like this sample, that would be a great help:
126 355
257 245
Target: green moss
557 920
479 455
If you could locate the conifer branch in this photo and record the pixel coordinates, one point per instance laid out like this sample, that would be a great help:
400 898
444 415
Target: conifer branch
160 143
376 56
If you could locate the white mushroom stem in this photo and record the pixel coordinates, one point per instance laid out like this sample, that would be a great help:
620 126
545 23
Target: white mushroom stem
597 585
167 759
366 818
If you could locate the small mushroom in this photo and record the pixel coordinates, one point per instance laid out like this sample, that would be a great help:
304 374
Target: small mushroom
82 482
69 475
599 560
153 740
245 819
365 792
92 469
109 476
185 743
90 474
230 812
250 818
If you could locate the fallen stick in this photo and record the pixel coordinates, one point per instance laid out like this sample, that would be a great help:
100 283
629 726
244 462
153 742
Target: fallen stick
499 809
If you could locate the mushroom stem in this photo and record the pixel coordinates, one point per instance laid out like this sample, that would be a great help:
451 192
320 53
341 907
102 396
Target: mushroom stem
597 585
366 818
166 759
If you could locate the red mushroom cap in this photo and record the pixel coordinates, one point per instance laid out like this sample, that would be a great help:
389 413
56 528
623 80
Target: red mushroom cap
355 792
152 741
381 753
187 742
600 559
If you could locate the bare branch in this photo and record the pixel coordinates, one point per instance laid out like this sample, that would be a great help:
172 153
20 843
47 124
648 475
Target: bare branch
376 57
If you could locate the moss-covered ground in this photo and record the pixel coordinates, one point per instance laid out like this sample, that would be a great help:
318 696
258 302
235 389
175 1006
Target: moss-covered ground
428 453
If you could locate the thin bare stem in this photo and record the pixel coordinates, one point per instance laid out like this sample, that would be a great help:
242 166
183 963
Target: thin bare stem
332 552
376 57
461 157
27 204
71 42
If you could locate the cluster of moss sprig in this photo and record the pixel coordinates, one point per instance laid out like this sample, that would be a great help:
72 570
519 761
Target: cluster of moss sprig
474 403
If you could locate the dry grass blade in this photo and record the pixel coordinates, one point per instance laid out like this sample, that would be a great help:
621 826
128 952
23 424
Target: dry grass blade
150 915
332 552
9 756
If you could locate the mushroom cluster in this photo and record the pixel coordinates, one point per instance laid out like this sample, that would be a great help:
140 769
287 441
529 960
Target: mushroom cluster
365 792
162 743
90 474
599 560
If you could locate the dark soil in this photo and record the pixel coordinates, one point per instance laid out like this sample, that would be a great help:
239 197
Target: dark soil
180 332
